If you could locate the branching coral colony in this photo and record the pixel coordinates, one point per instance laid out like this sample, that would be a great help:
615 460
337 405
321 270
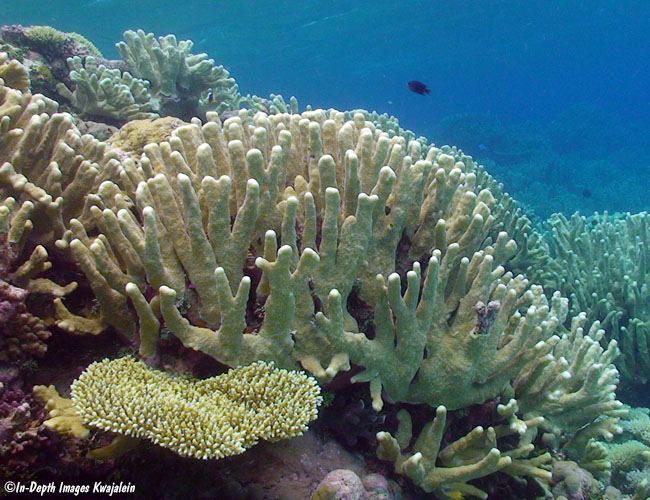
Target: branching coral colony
323 242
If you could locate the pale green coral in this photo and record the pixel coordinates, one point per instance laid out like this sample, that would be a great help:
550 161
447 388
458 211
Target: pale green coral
279 105
169 65
45 36
46 160
277 176
604 262
12 73
225 98
82 40
109 93
53 42
447 470
627 455
319 240
637 423
390 125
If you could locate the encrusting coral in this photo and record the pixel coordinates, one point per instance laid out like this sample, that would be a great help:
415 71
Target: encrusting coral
209 418
136 134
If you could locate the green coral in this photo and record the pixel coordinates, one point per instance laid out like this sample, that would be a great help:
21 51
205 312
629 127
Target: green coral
604 264
110 93
315 240
446 470
12 73
169 65
90 46
356 255
48 161
45 36
637 423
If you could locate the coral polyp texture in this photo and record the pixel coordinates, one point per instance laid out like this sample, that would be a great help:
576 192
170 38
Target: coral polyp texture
209 418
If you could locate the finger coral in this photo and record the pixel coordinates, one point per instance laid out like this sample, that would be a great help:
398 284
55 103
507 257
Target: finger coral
169 65
110 93
47 161
13 74
216 193
325 241
446 470
604 265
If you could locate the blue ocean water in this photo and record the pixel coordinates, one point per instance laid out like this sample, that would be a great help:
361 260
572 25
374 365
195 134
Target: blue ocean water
553 96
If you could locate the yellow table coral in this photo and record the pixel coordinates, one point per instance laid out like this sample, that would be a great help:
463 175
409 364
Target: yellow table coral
210 418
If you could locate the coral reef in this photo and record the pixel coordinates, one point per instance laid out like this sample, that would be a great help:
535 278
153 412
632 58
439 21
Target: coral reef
629 453
604 262
29 449
49 41
398 274
24 440
452 285
23 334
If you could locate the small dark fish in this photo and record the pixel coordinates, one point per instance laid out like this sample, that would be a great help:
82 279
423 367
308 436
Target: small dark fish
586 193
418 87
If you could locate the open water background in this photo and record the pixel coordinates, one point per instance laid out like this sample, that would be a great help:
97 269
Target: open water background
553 96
